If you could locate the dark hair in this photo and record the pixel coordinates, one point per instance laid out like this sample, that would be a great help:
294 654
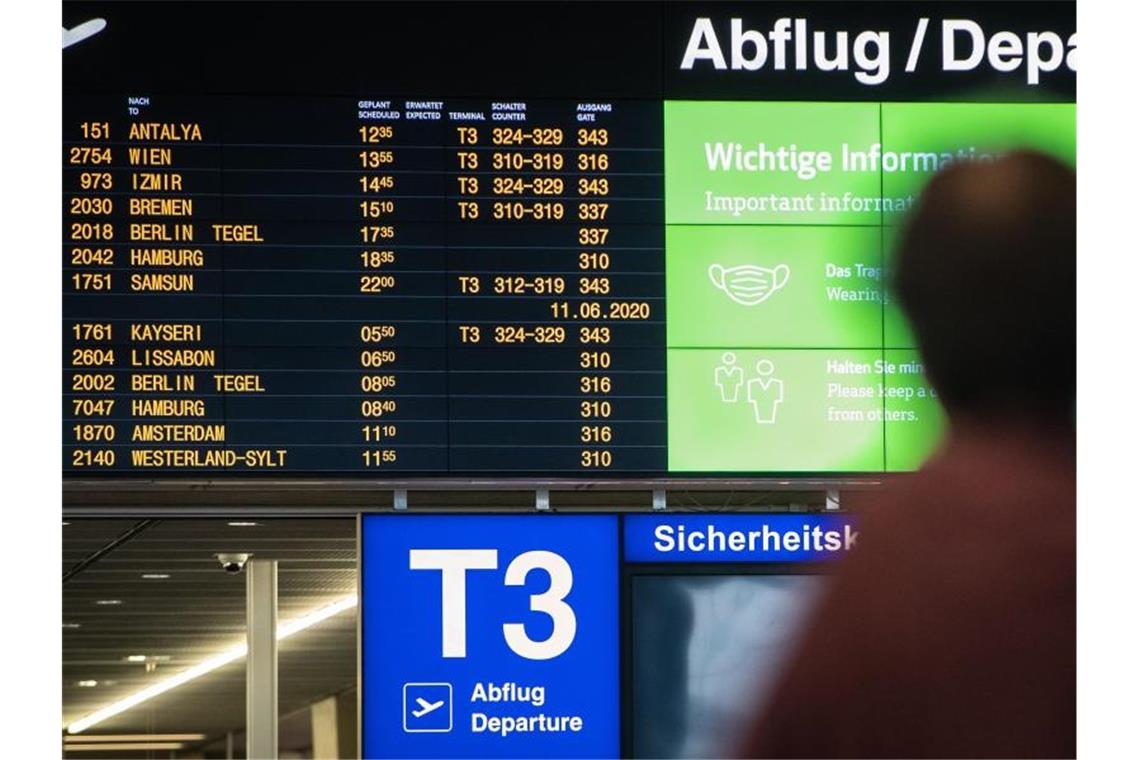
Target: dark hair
986 272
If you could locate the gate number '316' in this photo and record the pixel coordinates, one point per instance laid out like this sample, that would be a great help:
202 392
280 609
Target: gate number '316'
453 565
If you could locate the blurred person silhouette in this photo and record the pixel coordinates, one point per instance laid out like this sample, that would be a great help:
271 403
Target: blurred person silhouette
951 630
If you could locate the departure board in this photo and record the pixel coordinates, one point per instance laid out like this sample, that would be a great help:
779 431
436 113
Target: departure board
584 239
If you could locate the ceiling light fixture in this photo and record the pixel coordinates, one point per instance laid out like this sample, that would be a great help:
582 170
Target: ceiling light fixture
108 747
225 657
133 737
88 684
122 738
156 576
72 625
242 524
108 602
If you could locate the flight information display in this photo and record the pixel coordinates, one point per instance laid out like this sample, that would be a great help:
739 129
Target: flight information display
585 239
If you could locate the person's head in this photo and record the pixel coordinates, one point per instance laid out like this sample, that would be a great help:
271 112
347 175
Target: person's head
985 271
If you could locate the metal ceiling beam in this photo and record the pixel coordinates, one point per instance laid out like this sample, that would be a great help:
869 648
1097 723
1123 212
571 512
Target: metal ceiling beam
103 551
75 488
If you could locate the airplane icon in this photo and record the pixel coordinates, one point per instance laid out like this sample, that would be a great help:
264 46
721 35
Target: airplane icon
83 31
426 707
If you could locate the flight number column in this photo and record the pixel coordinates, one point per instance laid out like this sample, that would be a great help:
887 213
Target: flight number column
90 381
556 288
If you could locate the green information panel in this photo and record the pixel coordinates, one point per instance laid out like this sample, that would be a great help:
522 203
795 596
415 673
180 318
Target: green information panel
773 286
768 163
777 410
786 352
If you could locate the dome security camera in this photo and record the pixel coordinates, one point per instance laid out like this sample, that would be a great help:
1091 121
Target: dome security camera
233 563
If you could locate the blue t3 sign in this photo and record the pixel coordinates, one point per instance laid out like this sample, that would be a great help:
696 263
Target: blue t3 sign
489 636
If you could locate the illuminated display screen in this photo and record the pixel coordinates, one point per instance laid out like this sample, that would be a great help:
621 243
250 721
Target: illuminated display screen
567 239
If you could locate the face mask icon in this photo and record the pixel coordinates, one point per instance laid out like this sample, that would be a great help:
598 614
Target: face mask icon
748 284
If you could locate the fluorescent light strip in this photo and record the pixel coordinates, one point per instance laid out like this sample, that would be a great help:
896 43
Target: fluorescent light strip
133 738
141 746
236 652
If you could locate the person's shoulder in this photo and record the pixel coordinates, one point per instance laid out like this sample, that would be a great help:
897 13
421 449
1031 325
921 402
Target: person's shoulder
1011 480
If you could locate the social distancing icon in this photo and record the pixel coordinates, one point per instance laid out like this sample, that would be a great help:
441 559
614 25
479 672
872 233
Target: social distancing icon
764 392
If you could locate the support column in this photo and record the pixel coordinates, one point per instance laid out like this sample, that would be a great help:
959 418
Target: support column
346 723
261 660
323 714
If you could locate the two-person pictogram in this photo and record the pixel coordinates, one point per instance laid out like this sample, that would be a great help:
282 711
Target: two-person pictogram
763 392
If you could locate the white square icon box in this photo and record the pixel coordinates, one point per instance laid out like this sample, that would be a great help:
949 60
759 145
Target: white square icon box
427 708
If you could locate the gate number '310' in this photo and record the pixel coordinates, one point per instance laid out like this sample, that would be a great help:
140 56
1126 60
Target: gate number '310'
453 565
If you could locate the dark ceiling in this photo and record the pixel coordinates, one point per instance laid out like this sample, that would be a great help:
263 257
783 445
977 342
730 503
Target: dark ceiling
197 612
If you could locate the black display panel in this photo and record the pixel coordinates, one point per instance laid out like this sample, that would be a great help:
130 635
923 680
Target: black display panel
427 239
339 285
